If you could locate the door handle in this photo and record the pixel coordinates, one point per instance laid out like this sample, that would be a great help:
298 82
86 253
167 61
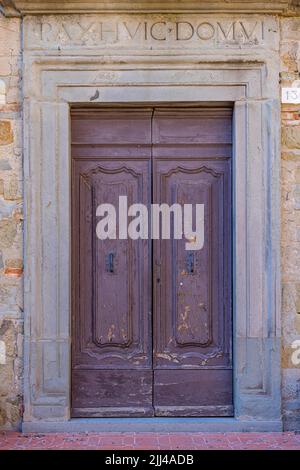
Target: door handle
157 270
190 263
110 262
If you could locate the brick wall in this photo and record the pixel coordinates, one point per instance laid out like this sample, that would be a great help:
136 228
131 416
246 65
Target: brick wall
11 295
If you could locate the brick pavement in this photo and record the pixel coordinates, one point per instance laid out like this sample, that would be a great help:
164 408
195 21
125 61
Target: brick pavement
153 441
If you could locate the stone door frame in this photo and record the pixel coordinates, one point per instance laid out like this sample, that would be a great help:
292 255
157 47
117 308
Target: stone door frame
52 83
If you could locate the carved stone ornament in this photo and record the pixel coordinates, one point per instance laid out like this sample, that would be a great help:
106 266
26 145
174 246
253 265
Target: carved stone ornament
35 7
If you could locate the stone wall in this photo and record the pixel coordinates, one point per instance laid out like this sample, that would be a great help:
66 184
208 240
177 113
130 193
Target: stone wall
290 179
11 263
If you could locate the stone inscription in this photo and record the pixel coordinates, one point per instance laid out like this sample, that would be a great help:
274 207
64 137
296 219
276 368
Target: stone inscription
145 32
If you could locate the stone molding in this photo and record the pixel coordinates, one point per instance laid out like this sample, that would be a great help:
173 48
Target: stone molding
35 7
56 78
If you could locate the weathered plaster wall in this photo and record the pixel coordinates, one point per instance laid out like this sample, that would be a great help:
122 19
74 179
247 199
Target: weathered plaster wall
290 181
11 264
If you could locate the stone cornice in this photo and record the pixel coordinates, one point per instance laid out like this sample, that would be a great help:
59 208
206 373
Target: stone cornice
35 7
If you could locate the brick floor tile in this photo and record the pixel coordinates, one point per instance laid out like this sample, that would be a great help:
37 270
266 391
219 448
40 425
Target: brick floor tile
164 440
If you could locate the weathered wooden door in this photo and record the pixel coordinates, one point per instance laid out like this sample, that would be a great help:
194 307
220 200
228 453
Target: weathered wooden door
151 321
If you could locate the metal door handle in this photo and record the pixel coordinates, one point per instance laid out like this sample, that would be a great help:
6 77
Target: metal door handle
110 262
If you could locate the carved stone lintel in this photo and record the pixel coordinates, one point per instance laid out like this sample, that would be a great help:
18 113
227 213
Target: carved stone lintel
34 7
175 32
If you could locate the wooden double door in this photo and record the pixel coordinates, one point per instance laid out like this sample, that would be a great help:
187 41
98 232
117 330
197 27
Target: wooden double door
151 321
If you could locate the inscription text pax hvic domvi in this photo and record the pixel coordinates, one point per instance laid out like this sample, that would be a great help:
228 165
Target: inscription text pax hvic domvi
94 31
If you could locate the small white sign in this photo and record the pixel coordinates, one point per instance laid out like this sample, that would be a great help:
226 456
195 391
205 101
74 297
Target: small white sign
291 95
2 353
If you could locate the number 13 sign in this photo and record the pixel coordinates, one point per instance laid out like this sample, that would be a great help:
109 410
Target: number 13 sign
291 95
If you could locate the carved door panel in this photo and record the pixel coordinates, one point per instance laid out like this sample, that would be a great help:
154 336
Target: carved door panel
192 304
112 339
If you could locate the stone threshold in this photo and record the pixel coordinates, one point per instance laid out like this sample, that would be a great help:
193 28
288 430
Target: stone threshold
153 425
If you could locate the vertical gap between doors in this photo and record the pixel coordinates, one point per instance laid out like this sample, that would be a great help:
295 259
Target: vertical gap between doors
152 261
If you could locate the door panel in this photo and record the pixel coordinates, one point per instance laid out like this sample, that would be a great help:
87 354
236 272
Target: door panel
114 328
112 393
192 308
189 329
184 392
112 340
